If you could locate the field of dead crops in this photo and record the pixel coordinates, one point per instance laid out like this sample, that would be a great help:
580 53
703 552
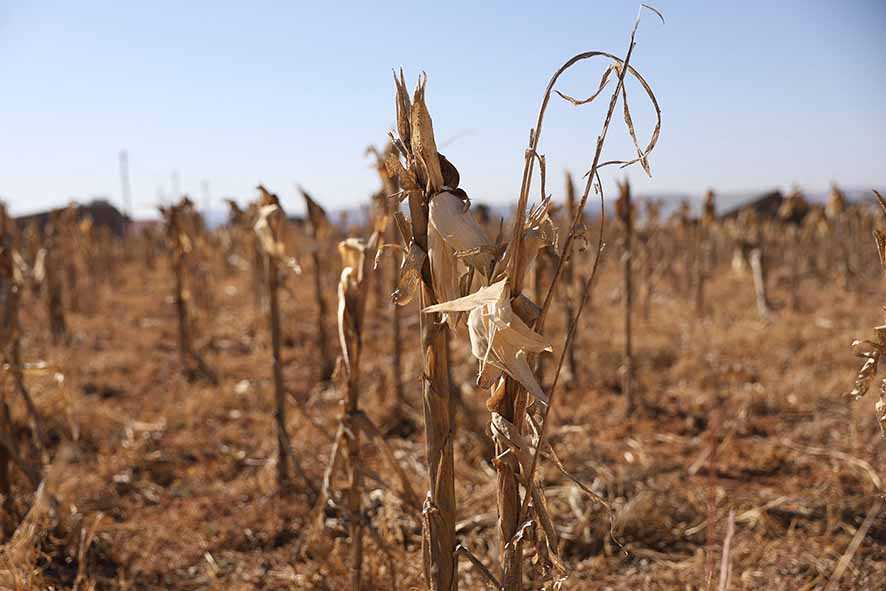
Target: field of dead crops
565 398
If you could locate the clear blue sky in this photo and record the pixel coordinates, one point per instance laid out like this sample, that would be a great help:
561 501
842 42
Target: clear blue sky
755 94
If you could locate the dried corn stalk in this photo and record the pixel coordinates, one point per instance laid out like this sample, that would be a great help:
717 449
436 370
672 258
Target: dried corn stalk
69 235
353 292
705 226
390 187
351 307
624 211
11 286
569 273
10 283
88 251
52 281
428 268
269 229
179 233
655 260
504 326
320 232
748 233
872 351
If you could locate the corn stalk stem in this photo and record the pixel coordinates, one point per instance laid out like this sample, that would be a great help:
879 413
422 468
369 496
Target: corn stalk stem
5 458
758 273
258 274
569 275
512 405
181 309
57 324
702 255
508 496
438 512
322 312
15 363
352 420
630 402
12 354
355 486
397 348
587 288
273 279
439 410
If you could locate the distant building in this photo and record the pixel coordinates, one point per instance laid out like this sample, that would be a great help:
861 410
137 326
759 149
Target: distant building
100 210
765 206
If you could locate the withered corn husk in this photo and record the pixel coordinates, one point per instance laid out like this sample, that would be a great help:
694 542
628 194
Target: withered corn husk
500 340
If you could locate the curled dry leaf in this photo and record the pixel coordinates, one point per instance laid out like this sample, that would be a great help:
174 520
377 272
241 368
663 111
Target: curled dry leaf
353 255
38 272
407 179
410 275
871 352
19 268
629 123
424 148
444 267
499 338
506 434
265 228
540 231
382 249
865 377
268 228
404 108
880 409
880 239
453 233
604 80
450 215
321 228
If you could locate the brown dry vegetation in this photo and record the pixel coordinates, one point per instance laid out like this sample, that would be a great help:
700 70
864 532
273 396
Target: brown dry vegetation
181 473
183 425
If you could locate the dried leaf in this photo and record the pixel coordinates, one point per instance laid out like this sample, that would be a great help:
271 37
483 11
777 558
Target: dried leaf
350 294
422 142
506 434
498 336
540 231
395 168
444 266
410 275
481 297
629 123
264 229
449 214
268 228
603 82
353 256
321 228
865 377
880 409
38 272
404 109
880 239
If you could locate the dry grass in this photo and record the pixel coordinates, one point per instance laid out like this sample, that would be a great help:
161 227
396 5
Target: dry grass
184 472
